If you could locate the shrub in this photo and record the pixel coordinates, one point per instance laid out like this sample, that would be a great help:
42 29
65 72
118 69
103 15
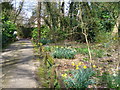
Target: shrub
8 29
35 34
44 31
64 53
103 37
80 78
44 34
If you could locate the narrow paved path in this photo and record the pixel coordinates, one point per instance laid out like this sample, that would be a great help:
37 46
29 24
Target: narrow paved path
19 66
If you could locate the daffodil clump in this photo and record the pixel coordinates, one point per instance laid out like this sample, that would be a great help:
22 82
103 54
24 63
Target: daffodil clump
52 48
79 78
79 65
61 52
64 52
64 75
45 41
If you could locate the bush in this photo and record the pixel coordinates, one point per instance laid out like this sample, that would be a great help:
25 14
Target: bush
8 29
103 37
80 78
64 53
44 34
34 33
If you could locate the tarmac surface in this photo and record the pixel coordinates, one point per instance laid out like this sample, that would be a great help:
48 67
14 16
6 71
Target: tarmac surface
18 66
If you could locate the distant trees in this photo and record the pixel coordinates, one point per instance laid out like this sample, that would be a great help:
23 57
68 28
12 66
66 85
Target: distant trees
10 21
18 11
97 17
93 17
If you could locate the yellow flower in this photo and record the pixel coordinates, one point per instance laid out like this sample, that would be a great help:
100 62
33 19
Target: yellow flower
114 38
40 44
79 63
77 67
35 45
43 49
56 46
64 75
84 67
94 66
73 63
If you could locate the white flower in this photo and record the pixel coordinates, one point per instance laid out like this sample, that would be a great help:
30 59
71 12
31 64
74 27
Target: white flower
15 32
114 74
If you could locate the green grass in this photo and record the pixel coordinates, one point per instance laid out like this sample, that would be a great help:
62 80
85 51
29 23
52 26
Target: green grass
95 52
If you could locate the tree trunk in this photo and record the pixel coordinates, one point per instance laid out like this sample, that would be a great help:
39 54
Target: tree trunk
39 26
39 21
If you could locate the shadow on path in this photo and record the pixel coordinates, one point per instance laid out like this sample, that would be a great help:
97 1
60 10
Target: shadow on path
18 65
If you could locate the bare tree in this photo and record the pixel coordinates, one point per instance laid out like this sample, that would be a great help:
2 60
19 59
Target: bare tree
19 10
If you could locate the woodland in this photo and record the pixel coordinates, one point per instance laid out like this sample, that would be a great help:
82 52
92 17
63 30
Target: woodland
77 46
